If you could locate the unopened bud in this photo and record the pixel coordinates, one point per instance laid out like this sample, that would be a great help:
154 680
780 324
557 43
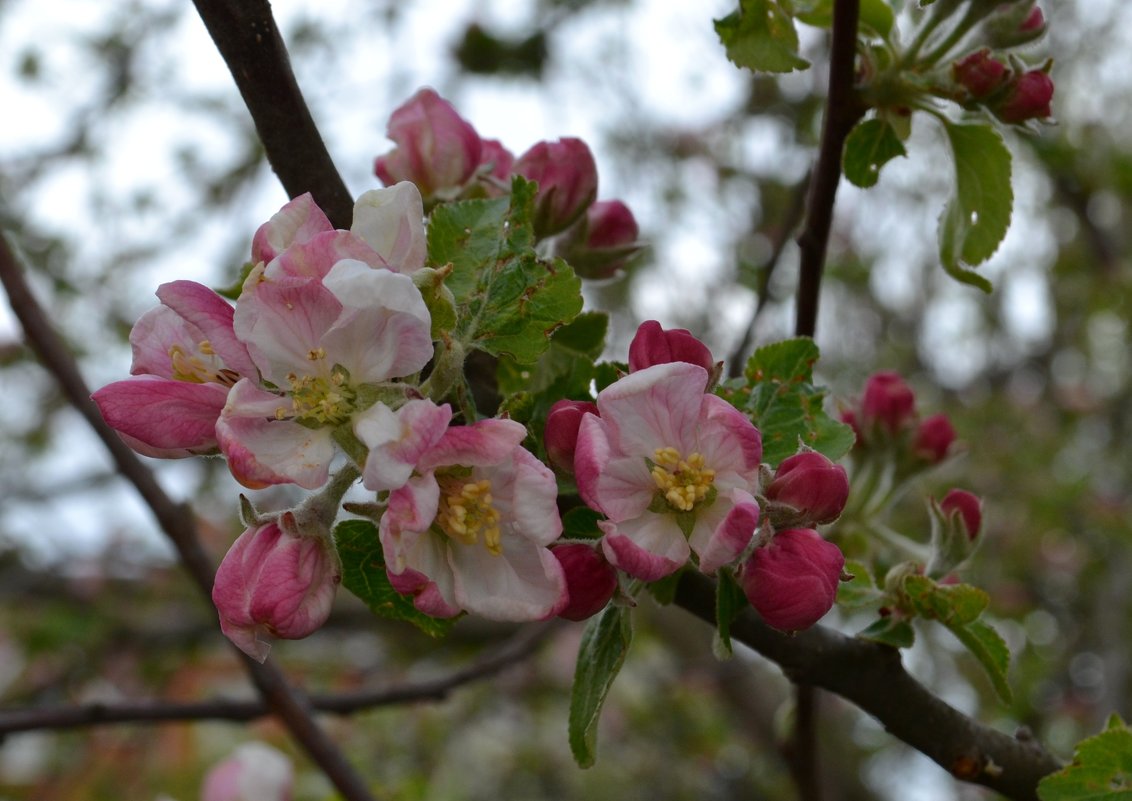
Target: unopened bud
653 345
590 579
1028 98
274 582
567 182
792 582
437 149
934 438
602 242
887 403
812 489
980 73
561 432
969 508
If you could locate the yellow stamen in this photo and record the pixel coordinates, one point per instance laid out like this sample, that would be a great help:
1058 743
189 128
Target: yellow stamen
466 513
683 482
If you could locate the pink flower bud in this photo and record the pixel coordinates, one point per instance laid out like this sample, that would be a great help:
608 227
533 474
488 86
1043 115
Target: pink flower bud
496 160
603 242
980 73
813 486
567 182
437 149
1035 21
254 772
934 438
590 580
849 418
792 582
561 432
968 506
1028 99
653 345
887 402
274 582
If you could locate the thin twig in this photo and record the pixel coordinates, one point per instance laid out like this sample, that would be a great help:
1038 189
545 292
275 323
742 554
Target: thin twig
843 110
176 520
515 650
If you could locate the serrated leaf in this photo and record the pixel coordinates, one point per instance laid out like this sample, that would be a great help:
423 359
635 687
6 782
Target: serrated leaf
605 373
1101 770
729 601
976 219
760 36
363 574
605 642
566 368
950 604
776 391
990 649
890 631
467 235
860 591
869 146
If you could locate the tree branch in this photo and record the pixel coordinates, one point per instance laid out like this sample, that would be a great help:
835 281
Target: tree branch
246 35
176 520
843 110
872 676
511 652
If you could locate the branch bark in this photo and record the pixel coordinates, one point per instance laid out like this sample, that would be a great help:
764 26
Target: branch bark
872 677
247 37
843 110
176 520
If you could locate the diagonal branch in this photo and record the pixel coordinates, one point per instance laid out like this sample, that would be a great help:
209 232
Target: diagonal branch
175 519
513 651
872 676
246 35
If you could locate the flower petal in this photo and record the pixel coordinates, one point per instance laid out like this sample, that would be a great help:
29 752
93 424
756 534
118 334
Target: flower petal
657 407
724 530
397 440
172 419
524 582
649 547
391 221
203 308
482 443
297 221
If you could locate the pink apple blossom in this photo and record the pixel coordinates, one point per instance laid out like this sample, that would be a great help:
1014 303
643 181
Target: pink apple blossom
275 582
470 530
186 357
254 772
673 470
324 349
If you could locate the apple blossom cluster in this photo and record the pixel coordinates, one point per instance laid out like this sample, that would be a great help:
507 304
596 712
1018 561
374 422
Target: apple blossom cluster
440 152
323 374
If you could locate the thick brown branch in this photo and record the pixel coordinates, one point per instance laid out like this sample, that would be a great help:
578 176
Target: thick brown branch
872 676
152 712
176 520
843 110
245 33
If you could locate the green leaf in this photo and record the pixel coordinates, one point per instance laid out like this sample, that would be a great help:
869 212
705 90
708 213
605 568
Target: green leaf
730 600
363 574
605 642
860 591
663 590
1101 770
876 15
890 631
760 36
566 368
990 649
975 221
509 301
776 391
605 373
466 235
869 146
950 604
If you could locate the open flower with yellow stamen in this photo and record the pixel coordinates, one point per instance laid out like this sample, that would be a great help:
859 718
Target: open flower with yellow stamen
186 358
325 349
673 469
470 530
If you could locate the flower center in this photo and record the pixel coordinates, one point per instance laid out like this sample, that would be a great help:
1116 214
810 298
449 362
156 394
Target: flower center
684 482
320 399
201 366
466 513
